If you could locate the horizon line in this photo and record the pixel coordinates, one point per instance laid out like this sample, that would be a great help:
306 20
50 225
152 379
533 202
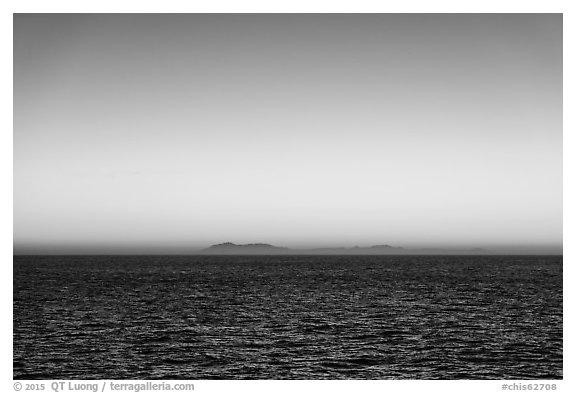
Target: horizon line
128 249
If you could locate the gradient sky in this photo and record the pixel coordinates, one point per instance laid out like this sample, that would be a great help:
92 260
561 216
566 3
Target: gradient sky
149 132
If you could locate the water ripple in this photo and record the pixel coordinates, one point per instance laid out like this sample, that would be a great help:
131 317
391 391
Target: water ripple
369 317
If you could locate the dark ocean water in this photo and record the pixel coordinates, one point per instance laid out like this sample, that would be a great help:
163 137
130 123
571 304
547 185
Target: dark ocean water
288 317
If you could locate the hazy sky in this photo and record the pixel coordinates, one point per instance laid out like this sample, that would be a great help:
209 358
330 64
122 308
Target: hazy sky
156 131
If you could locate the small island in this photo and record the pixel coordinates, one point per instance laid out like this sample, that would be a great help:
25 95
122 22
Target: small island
229 248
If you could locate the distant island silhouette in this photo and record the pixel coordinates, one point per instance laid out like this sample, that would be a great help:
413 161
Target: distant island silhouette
229 248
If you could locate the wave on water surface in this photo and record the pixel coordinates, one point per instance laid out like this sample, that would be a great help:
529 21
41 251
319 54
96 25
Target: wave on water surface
288 317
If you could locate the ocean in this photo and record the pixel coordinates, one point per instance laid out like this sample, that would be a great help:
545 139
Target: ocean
287 317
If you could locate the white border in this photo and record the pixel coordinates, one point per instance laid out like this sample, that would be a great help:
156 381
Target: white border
301 6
